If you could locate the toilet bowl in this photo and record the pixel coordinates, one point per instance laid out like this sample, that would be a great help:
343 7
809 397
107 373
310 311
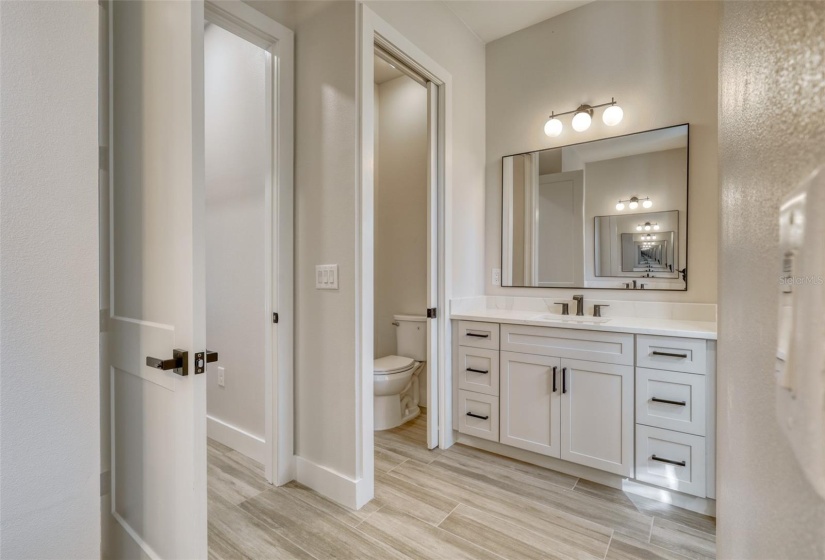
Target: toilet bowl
395 384
395 390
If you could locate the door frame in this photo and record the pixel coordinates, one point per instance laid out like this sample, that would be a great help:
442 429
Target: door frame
373 29
259 29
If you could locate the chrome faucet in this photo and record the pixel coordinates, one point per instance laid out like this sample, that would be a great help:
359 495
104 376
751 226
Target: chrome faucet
579 305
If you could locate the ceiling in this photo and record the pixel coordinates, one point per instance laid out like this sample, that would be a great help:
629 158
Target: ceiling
384 71
492 19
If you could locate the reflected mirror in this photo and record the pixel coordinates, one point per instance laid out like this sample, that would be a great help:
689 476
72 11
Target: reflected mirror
609 213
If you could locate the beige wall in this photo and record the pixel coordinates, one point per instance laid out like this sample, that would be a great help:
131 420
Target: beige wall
326 133
235 181
772 106
400 207
658 59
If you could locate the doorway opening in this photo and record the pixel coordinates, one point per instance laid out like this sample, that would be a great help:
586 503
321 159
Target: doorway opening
401 197
400 181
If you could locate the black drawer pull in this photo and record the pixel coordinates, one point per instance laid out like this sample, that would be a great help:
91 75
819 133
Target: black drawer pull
564 380
478 335
669 461
677 403
668 354
480 417
477 370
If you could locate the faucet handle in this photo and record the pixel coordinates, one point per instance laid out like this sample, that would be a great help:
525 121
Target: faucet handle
565 307
597 309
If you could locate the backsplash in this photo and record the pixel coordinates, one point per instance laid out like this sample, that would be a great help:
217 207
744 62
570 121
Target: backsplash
705 312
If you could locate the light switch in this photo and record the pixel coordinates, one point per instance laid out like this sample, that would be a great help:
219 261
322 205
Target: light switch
326 277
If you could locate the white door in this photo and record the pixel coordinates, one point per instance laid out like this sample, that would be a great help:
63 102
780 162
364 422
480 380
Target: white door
157 303
530 402
432 264
597 415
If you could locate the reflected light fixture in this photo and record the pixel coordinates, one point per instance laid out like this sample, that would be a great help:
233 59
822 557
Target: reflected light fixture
633 203
647 226
583 117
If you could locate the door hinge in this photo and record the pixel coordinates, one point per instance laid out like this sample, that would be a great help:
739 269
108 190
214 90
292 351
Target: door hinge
274 317
432 313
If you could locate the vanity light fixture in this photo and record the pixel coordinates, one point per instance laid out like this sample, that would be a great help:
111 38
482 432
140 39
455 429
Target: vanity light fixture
633 203
583 116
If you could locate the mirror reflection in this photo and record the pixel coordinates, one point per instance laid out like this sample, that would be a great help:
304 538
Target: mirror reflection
610 213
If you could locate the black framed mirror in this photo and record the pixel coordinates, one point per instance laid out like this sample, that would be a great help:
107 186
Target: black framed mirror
609 213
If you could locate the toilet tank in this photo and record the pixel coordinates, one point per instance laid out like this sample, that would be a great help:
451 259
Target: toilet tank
411 337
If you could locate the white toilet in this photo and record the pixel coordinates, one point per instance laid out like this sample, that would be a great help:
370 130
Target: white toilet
396 393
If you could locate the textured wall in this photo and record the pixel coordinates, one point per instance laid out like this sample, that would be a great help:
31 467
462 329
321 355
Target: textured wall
50 426
772 110
658 59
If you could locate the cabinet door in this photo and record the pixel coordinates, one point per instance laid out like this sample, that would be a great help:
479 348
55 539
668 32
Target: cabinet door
597 415
530 399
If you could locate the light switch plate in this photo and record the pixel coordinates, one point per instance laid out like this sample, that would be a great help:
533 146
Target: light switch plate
326 277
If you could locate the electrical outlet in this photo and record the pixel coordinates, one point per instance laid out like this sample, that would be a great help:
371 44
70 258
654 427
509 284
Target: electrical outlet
221 377
496 277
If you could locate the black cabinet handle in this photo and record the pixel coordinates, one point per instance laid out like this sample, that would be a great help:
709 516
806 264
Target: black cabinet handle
476 370
668 354
563 380
477 416
669 461
478 335
666 401
554 380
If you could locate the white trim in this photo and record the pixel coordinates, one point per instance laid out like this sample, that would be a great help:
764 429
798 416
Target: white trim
372 29
241 441
330 484
244 21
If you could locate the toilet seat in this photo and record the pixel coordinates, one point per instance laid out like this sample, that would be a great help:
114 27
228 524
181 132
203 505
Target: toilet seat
392 364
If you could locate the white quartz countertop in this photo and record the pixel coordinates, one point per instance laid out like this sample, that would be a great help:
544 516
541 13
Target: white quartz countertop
636 325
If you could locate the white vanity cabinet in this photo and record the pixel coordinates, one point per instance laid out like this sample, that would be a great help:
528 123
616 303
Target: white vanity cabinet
635 405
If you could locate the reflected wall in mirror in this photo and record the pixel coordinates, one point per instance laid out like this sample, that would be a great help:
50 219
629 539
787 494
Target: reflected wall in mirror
598 214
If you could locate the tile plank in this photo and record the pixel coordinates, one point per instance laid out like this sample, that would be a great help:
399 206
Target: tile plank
417 539
427 505
682 539
510 540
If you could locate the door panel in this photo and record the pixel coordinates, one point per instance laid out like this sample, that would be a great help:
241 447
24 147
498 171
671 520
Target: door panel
158 418
597 415
530 408
432 264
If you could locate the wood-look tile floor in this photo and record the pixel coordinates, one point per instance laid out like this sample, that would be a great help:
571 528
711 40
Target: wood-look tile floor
456 504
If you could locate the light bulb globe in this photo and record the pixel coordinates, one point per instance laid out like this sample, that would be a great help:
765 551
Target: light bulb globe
647 203
656 227
647 228
553 127
633 205
638 228
612 115
581 121
620 206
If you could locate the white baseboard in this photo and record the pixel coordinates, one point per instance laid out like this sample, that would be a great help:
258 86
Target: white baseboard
243 442
335 486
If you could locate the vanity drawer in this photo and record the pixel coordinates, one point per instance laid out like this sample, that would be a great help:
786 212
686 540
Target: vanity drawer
671 353
478 335
605 347
478 415
671 400
671 460
478 370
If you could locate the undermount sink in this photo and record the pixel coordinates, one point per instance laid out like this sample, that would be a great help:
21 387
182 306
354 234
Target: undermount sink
554 318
